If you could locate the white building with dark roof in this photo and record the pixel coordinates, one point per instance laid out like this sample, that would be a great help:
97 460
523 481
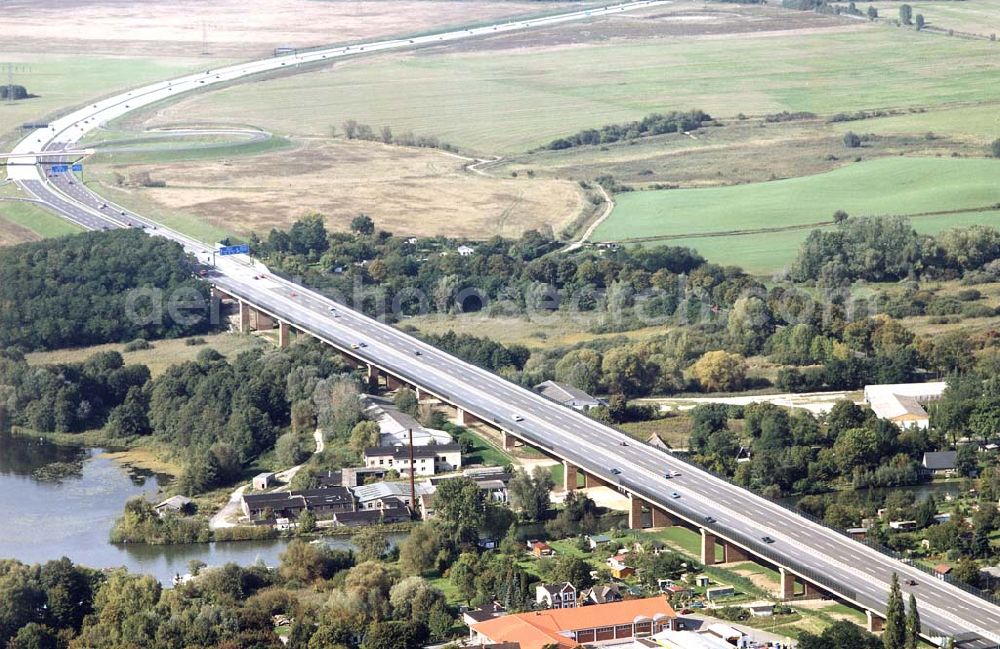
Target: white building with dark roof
427 460
567 395
561 595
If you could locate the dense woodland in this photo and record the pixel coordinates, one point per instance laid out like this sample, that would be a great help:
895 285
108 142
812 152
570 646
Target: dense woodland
77 290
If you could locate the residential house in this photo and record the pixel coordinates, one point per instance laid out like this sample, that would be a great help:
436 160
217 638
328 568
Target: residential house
599 594
427 460
598 540
262 481
540 548
619 567
566 628
942 570
654 546
174 504
940 462
671 587
556 595
567 395
903 403
483 613
656 441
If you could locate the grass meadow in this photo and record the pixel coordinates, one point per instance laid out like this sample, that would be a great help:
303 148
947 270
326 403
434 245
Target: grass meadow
512 100
761 225
62 82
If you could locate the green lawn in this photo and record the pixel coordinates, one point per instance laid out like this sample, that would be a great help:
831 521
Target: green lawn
482 451
61 82
517 99
34 218
878 187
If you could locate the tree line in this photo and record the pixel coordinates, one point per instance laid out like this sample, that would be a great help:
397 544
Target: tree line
653 124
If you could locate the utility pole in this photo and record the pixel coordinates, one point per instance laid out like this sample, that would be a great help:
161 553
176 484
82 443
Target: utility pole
413 482
11 69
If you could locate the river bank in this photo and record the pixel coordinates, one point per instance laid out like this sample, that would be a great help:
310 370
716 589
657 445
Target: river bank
72 516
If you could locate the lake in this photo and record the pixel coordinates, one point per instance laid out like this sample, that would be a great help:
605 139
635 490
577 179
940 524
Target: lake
46 520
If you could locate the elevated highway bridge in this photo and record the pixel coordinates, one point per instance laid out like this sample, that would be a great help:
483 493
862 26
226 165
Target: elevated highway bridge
812 559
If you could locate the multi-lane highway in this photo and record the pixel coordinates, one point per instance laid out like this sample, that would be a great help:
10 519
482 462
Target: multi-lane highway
842 566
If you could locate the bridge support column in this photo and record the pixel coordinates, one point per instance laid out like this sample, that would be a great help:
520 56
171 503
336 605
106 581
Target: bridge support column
592 481
635 512
661 518
392 383
461 417
284 334
732 553
569 476
262 321
373 375
507 440
707 548
810 591
787 584
244 317
875 622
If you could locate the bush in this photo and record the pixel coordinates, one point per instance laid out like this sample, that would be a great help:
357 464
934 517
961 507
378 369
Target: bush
978 311
136 345
969 295
995 148
852 140
194 342
13 92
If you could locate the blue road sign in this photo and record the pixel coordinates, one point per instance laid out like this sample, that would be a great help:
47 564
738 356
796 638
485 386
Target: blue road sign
59 169
242 249
77 167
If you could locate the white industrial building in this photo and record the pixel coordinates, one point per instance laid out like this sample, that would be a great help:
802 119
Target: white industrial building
903 403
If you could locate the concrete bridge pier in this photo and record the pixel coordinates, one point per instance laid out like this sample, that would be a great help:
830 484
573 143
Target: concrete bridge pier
875 622
284 334
245 310
661 518
707 548
733 553
635 512
507 440
392 383
787 584
262 321
569 476
373 376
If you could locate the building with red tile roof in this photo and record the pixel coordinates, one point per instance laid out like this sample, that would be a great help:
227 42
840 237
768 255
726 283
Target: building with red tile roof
569 627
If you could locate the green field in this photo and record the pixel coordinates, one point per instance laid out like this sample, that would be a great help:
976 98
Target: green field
510 100
792 207
63 82
36 219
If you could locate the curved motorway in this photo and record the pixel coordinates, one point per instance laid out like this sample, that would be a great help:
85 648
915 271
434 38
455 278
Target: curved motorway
846 568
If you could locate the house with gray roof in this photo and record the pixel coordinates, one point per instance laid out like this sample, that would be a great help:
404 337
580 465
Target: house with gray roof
567 395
